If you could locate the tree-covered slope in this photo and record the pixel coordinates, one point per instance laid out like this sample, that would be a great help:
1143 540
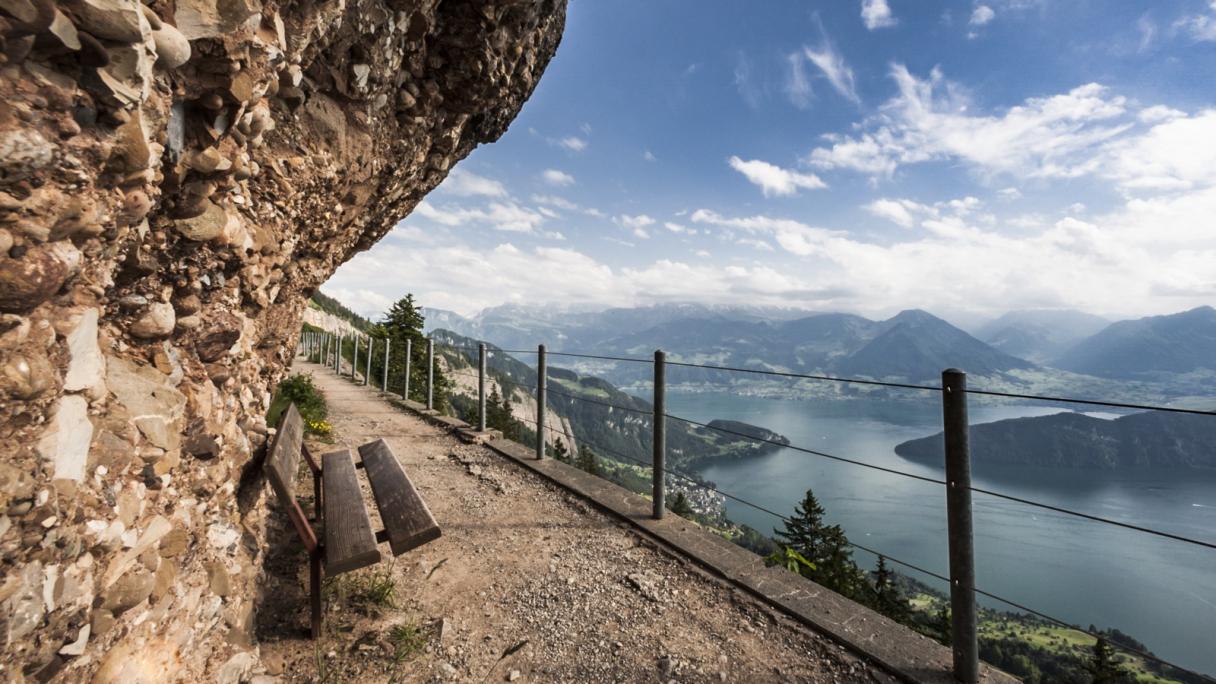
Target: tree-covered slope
1073 440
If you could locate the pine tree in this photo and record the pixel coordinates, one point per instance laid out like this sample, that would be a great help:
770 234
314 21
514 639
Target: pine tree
805 529
681 507
499 416
942 624
887 597
825 546
587 460
404 321
559 451
1103 667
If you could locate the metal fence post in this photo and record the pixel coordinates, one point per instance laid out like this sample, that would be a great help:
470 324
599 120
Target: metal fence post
481 387
338 356
354 364
659 436
430 374
409 347
958 517
367 374
384 380
541 403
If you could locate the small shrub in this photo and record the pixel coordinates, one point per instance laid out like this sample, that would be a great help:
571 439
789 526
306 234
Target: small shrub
300 390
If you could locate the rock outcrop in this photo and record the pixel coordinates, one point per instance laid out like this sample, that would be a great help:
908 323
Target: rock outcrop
175 179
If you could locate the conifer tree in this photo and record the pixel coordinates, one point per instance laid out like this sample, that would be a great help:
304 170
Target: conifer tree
1103 667
805 529
559 450
404 321
587 460
680 506
887 597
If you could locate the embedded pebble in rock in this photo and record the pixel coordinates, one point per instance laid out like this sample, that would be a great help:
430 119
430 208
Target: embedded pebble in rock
206 226
157 321
172 48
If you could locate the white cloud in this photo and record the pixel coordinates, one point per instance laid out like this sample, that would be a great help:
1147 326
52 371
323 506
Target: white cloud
585 128
876 14
558 178
573 143
1146 256
634 222
982 15
1148 31
504 216
1200 27
641 233
894 210
834 68
797 86
462 183
1178 153
649 156
937 216
793 236
1009 194
679 228
774 180
931 119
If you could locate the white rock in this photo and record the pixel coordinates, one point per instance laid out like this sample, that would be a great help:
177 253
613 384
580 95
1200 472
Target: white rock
158 528
223 535
172 48
237 668
87 367
65 443
77 647
157 321
51 576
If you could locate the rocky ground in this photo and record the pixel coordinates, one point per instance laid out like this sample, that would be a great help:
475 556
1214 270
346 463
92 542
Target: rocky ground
528 583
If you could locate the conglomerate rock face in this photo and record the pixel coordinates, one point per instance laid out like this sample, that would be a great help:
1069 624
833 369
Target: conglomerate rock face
175 179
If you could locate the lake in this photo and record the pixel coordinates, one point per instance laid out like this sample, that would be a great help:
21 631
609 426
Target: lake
1158 591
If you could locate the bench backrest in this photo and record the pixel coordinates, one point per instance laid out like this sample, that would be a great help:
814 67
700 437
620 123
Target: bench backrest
283 459
282 466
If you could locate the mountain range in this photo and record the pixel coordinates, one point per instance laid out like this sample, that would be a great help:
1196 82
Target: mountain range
1147 348
912 346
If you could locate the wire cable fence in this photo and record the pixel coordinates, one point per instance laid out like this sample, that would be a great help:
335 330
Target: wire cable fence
615 454
952 389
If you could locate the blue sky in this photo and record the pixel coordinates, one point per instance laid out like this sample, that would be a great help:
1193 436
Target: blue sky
847 155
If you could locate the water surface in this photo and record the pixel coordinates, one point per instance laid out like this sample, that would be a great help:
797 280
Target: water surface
1161 592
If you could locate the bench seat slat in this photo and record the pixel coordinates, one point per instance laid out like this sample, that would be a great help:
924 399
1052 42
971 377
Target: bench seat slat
349 541
407 520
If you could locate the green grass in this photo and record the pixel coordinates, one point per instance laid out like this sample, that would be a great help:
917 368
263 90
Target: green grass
1049 638
581 390
370 591
408 640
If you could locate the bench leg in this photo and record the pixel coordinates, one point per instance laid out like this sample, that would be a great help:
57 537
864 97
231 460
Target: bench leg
317 502
315 592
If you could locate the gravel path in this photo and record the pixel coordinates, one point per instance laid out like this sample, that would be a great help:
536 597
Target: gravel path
519 562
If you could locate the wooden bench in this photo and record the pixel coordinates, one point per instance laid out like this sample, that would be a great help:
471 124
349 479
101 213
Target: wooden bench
349 542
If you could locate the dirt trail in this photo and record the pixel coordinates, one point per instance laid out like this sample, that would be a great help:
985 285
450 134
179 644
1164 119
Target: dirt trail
519 561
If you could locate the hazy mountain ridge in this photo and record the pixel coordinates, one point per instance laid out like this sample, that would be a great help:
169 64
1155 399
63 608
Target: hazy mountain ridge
1074 440
1039 335
1139 349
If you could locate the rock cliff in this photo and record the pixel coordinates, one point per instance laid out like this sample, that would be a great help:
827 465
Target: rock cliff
176 178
